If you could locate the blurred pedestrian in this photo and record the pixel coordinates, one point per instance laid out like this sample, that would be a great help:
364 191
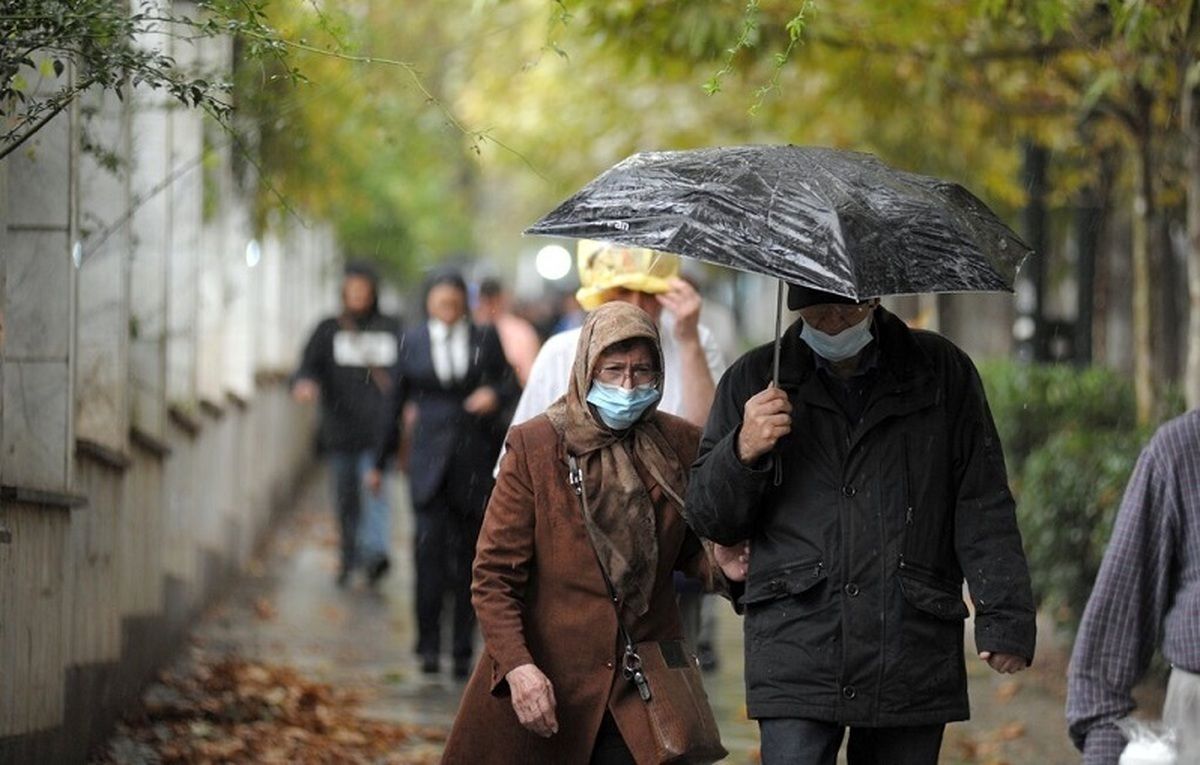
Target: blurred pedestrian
347 365
569 315
550 687
455 374
692 360
861 527
517 336
1146 598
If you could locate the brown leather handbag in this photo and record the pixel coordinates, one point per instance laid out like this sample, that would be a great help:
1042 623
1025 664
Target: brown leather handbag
665 675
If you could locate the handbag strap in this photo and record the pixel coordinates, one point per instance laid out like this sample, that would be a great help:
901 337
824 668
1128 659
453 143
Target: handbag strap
631 665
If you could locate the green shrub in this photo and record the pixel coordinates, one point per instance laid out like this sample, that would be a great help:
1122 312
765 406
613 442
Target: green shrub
1069 492
1033 402
1070 440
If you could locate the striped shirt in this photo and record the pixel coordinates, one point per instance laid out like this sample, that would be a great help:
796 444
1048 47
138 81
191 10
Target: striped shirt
1146 594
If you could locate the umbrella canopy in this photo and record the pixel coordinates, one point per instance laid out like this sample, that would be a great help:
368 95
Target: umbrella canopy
837 221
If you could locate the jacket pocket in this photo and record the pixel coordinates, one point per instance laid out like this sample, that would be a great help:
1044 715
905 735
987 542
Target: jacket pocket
786 581
939 600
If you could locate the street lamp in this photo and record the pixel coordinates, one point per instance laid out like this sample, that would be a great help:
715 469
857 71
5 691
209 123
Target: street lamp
553 262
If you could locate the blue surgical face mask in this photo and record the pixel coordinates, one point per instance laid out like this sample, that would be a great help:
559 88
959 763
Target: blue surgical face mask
844 345
619 407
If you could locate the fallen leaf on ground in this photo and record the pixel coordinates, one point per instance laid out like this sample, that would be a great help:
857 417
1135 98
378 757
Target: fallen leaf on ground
1013 730
235 711
1007 691
264 609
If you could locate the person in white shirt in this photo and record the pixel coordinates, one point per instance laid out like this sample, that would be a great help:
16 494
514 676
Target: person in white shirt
692 364
692 359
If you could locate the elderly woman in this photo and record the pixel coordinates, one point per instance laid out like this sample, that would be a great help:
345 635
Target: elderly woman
547 689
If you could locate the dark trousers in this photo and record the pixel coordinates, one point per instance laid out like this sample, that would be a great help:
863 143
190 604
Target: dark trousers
610 747
792 740
347 499
447 528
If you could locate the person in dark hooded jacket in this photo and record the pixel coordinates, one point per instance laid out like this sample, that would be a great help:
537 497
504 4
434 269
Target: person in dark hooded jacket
347 365
868 484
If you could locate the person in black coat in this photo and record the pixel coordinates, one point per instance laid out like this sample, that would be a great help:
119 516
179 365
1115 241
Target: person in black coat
868 484
456 375
347 365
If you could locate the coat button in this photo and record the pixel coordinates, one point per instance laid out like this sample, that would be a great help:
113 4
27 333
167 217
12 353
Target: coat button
608 664
849 692
852 590
848 490
775 584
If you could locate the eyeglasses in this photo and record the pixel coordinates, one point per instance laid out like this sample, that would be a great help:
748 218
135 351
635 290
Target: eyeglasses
615 374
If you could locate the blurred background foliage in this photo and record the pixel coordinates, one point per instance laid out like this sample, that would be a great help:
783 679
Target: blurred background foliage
1071 440
425 129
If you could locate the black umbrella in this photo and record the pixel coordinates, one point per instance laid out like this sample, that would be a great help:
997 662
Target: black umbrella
837 221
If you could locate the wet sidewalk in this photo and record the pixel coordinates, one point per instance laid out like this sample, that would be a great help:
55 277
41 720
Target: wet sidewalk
287 612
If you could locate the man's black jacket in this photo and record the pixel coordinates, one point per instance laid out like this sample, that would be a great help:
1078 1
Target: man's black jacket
853 604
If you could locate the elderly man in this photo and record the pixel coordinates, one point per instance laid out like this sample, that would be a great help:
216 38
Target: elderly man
1147 594
868 483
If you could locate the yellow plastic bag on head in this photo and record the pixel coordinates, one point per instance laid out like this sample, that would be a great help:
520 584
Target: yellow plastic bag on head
604 266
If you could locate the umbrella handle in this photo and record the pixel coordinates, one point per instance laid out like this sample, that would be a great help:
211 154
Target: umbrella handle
778 332
775 365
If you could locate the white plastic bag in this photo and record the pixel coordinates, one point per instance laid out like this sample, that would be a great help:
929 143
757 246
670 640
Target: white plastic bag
1149 743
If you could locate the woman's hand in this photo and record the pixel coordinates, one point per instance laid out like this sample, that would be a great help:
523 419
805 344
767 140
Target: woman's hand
483 401
533 699
734 561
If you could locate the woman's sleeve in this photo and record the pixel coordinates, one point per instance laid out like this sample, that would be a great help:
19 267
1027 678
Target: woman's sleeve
503 560
696 561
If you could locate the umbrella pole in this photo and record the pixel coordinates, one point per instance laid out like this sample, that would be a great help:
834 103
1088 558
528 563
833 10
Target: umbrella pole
775 365
778 332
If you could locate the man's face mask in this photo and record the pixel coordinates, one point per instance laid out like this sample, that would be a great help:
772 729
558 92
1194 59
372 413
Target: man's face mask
844 345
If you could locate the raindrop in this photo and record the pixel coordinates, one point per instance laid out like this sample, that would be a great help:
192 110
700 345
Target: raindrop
77 254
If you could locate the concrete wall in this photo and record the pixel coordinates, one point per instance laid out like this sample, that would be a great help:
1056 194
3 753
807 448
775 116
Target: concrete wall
147 435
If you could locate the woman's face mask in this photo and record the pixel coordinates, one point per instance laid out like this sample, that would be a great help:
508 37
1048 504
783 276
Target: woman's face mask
619 407
624 387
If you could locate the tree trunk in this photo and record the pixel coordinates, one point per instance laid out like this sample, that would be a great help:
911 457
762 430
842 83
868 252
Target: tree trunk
1089 222
1191 132
1145 346
1036 234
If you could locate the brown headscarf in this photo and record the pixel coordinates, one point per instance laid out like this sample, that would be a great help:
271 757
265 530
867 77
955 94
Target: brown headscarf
621 515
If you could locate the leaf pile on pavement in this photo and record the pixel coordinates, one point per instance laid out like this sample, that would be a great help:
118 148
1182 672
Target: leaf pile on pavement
237 711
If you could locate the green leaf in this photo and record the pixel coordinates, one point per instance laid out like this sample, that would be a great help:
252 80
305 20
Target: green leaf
1107 81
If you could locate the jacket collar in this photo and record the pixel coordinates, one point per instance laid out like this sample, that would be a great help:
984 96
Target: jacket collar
905 381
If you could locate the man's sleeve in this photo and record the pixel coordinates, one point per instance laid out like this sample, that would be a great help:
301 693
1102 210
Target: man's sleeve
387 437
713 355
313 359
547 380
1123 620
498 373
723 494
987 540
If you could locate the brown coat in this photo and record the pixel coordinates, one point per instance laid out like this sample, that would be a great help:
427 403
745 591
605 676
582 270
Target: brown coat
540 599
